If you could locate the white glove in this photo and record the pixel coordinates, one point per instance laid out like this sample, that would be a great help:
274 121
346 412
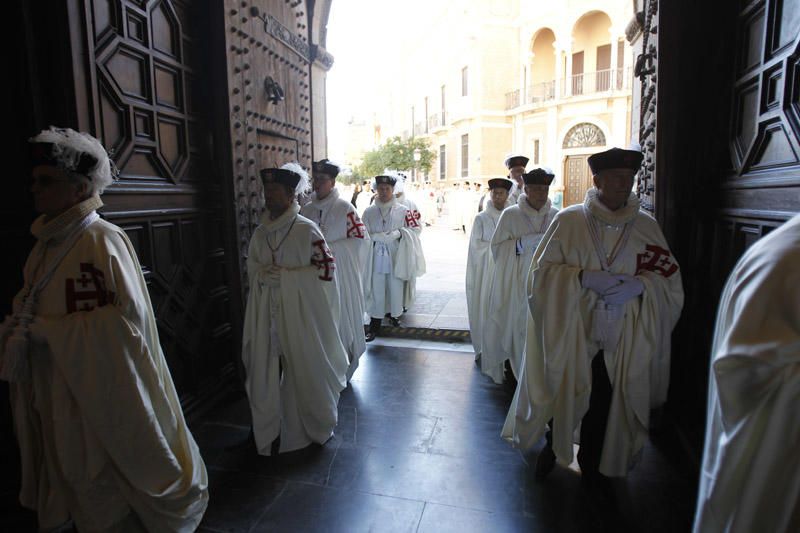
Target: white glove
393 235
629 287
598 280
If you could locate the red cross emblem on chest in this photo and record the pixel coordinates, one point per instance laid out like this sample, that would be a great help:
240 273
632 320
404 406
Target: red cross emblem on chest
323 260
87 291
656 259
355 228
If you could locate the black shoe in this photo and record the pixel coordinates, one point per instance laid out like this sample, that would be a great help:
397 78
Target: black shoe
545 463
374 329
394 321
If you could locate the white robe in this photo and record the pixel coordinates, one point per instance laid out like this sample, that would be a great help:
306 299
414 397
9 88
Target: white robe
349 242
504 330
480 273
556 377
293 328
100 428
750 479
415 225
397 260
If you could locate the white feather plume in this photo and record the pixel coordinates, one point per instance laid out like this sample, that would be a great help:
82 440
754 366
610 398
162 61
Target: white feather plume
304 184
68 145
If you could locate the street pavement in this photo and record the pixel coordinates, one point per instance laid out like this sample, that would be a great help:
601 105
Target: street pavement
441 301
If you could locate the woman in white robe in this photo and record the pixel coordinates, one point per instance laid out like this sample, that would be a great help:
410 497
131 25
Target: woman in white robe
348 239
749 479
518 232
293 377
480 264
101 432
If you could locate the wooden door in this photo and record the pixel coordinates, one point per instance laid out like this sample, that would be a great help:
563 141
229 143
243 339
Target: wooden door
603 70
723 157
577 73
578 179
268 92
148 98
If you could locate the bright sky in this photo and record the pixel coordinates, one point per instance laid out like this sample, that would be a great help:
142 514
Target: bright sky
364 37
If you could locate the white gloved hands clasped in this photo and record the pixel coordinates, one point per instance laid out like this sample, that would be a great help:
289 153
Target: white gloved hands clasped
598 280
386 237
627 288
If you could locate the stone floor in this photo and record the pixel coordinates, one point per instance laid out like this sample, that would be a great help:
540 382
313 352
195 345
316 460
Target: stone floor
441 301
417 449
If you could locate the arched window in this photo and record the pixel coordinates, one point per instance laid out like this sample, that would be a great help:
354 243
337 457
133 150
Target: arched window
584 134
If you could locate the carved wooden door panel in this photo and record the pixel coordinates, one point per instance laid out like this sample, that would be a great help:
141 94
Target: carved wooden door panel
578 179
722 163
149 101
268 57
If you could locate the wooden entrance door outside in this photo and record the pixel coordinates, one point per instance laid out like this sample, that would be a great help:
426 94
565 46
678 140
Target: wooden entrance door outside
578 179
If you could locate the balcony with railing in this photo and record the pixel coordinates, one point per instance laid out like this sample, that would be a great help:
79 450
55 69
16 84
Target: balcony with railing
587 83
437 120
420 128
597 82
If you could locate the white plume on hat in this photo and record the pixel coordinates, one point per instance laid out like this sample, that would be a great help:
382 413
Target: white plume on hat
68 145
303 184
399 186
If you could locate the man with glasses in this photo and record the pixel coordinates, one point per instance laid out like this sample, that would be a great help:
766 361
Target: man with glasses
604 293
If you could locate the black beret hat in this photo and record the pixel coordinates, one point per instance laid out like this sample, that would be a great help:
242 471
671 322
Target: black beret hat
516 161
280 175
389 180
538 176
42 154
502 183
615 158
326 166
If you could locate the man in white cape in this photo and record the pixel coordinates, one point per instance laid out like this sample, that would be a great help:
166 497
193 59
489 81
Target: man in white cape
410 286
349 242
518 232
101 432
749 478
604 294
480 263
293 377
395 256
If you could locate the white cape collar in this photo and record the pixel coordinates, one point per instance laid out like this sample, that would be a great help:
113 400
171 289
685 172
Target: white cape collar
326 202
286 218
523 204
620 217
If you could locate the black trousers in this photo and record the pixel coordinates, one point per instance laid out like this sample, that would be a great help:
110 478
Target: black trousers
593 424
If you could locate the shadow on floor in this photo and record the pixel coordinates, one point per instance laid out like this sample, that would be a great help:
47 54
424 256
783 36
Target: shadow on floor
417 449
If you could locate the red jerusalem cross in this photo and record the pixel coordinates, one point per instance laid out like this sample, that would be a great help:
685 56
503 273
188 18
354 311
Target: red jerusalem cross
92 292
355 228
412 219
323 260
656 259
